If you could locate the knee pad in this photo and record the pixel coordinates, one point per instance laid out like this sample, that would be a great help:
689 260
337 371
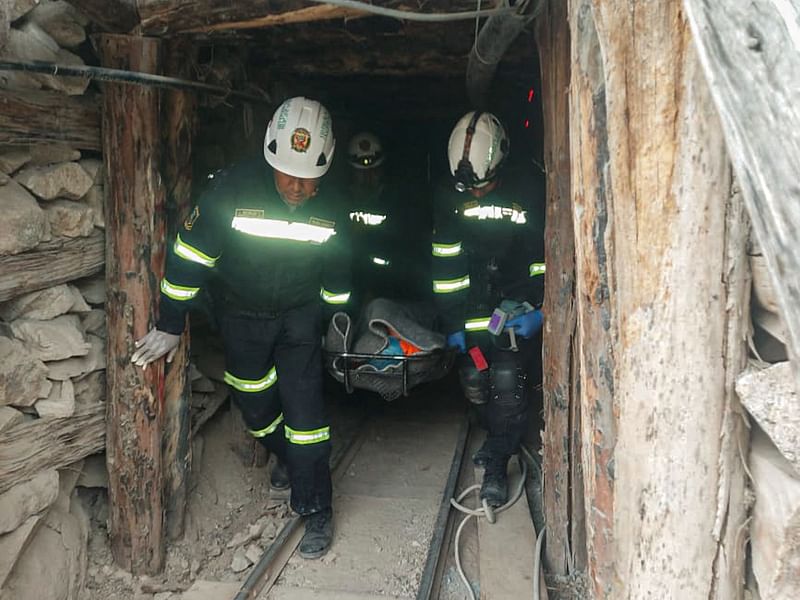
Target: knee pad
474 383
508 382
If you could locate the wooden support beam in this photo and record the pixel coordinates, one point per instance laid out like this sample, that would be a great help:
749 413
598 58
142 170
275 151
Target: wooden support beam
176 16
111 16
320 12
552 32
32 117
159 17
749 55
51 263
135 230
29 448
657 237
179 125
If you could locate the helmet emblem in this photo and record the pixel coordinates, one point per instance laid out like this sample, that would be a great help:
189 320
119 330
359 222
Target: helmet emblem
301 139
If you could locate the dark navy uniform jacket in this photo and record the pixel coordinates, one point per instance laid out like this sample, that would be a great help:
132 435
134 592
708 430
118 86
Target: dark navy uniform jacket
260 256
390 236
487 249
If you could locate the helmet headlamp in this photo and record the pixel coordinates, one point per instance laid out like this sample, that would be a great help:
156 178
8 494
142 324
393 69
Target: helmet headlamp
465 178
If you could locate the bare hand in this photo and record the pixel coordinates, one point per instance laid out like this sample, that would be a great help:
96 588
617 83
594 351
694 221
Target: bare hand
153 346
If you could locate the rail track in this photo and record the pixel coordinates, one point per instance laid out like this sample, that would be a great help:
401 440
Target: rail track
393 480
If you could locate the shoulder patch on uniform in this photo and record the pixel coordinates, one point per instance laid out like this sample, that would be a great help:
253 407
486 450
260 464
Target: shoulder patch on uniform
322 222
193 216
249 213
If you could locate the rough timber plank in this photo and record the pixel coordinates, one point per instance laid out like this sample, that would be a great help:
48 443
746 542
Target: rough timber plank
51 263
179 117
47 117
29 448
750 52
560 459
135 230
659 329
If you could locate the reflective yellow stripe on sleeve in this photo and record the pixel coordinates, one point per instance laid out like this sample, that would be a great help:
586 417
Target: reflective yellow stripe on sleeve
536 269
260 433
446 250
481 324
190 253
315 436
252 385
448 286
334 298
180 293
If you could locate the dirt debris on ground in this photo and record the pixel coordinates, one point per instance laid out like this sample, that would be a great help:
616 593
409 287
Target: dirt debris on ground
231 519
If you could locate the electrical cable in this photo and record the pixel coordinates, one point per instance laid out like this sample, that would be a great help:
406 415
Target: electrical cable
417 16
537 553
477 22
485 511
131 77
537 559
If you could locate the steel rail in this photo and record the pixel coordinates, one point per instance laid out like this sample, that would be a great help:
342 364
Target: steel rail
425 589
268 568
273 560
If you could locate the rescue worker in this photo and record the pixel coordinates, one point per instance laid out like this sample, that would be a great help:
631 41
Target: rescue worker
488 253
388 227
264 236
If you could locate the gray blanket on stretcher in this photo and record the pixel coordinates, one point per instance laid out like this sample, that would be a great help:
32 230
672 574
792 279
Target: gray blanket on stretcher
371 335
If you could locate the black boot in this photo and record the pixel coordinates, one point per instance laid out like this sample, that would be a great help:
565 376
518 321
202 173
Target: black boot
279 477
319 534
495 482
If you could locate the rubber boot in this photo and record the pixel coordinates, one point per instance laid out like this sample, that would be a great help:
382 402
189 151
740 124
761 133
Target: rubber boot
319 534
495 482
279 477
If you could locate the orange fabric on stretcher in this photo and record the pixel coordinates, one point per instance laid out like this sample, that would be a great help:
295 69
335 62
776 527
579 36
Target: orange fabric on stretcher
407 347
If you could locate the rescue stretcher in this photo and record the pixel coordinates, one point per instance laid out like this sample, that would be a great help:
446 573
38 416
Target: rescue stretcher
391 349
352 369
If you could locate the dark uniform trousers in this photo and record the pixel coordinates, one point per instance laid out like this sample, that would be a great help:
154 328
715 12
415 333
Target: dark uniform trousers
502 393
274 368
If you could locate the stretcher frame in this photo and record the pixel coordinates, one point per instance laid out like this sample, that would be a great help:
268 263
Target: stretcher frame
441 359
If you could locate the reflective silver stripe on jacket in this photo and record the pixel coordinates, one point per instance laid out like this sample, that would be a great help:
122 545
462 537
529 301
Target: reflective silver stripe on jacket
283 230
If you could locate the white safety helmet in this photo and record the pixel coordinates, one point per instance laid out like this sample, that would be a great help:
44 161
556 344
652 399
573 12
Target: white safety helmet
477 147
299 139
365 151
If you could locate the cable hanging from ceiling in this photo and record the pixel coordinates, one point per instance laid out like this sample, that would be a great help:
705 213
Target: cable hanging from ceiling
408 15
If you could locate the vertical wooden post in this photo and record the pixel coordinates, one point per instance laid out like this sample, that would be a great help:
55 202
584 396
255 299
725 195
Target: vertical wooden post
179 125
135 228
592 224
657 235
552 34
